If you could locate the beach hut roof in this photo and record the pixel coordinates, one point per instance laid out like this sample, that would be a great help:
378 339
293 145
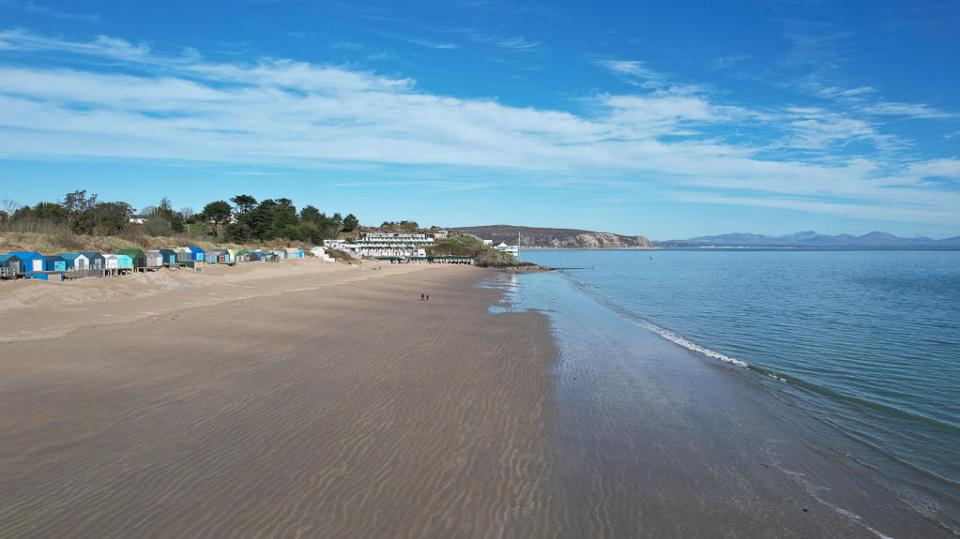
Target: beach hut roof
132 251
91 255
23 255
154 251
72 256
196 249
6 258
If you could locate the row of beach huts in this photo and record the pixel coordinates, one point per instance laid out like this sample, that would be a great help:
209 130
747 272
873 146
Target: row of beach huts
33 265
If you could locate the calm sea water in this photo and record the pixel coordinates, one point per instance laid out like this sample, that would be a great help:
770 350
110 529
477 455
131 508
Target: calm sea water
866 343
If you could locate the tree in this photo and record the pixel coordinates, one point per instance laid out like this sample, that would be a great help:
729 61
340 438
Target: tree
175 220
50 211
104 219
217 212
310 214
350 222
77 202
244 203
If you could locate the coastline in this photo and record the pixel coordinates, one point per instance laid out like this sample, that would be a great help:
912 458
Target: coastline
659 441
335 403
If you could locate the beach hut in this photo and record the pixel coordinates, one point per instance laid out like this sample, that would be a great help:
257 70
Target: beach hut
95 260
237 255
219 256
124 262
10 265
168 257
281 254
30 261
138 258
184 254
154 259
197 254
76 261
54 263
110 261
292 252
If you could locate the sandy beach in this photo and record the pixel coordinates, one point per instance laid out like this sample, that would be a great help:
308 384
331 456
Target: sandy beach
313 400
319 410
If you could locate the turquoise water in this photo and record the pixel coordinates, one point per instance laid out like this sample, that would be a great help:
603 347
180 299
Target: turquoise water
865 343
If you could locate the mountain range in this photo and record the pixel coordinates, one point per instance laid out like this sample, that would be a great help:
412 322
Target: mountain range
812 240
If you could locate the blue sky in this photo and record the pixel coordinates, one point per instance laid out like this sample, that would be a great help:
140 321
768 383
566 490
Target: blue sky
662 119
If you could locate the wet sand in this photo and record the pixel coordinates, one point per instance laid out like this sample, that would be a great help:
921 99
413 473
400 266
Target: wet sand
333 403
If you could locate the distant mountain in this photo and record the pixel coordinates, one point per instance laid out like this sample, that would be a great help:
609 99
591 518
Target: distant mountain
556 237
812 240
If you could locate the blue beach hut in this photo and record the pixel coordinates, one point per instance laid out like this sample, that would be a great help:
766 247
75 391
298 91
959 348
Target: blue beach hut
30 261
197 254
169 257
124 262
55 263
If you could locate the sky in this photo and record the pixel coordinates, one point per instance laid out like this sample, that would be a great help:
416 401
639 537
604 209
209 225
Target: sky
668 119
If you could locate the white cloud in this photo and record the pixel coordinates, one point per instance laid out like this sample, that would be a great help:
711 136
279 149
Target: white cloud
298 114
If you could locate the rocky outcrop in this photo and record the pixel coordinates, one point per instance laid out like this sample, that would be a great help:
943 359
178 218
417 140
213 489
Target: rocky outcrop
561 238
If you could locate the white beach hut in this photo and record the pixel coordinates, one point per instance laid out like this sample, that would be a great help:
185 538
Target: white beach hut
110 261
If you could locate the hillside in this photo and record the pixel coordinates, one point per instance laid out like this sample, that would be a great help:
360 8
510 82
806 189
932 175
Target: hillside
813 240
556 237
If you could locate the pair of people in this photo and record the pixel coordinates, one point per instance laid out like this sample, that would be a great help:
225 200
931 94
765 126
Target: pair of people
424 297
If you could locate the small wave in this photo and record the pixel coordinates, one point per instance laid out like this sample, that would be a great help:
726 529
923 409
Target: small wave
690 345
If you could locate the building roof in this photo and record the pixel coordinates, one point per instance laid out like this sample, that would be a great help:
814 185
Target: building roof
91 255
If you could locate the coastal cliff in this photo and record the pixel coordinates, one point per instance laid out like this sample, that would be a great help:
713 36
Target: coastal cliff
566 238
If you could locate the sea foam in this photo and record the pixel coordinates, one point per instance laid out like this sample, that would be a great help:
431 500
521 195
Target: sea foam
690 345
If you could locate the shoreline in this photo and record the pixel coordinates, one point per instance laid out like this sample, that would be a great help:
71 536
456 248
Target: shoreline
660 441
336 403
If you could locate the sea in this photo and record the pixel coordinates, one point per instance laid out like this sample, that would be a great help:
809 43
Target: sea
866 344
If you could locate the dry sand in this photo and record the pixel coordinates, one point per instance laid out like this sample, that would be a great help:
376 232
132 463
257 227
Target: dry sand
321 411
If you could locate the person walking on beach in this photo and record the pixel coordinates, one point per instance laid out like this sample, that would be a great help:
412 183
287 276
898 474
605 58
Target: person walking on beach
421 296
428 296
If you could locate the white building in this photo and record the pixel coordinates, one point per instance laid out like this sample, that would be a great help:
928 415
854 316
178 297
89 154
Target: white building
487 243
512 249
384 244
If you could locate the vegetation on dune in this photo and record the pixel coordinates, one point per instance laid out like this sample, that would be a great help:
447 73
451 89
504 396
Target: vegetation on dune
81 221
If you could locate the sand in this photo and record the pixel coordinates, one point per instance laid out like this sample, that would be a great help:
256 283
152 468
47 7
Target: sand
331 411
313 400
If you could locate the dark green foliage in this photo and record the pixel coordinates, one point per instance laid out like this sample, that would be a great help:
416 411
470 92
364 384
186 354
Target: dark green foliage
350 223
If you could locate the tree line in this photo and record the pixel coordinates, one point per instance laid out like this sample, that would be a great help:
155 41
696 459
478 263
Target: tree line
241 219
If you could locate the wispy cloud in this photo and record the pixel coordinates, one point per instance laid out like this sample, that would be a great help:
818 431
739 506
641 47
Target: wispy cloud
48 11
439 45
280 112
